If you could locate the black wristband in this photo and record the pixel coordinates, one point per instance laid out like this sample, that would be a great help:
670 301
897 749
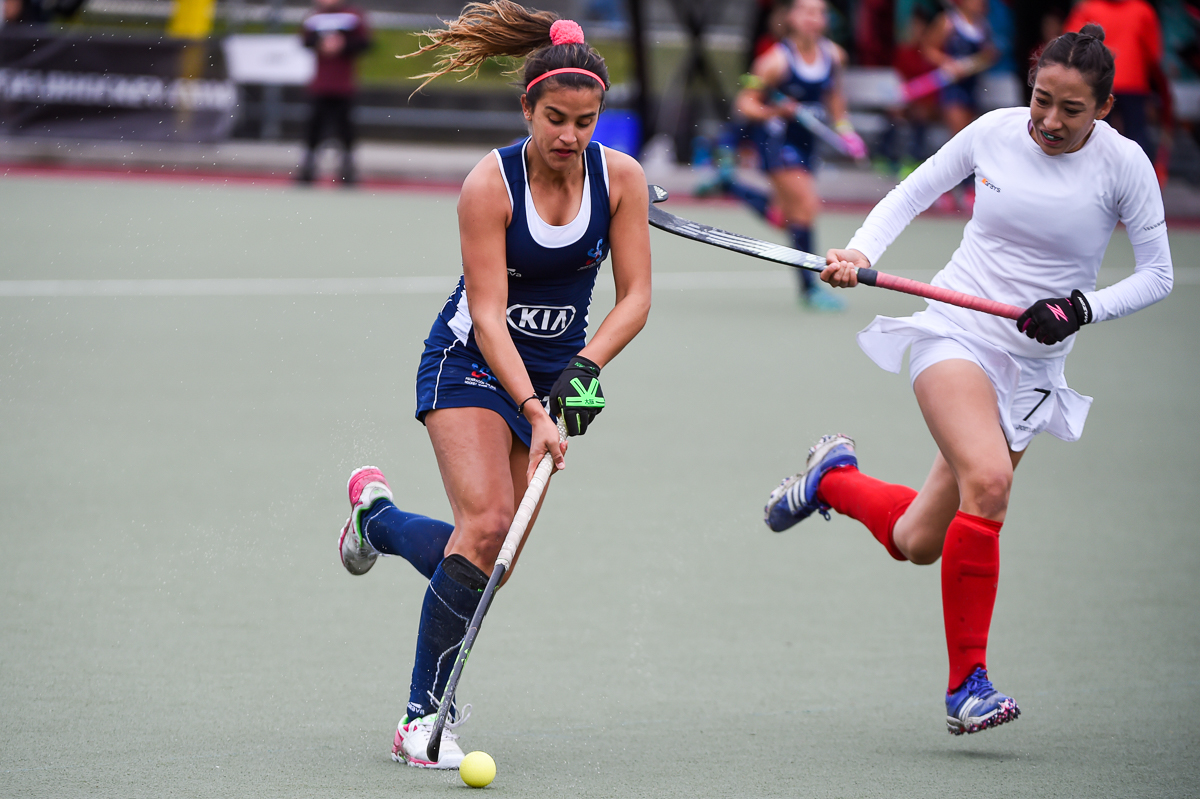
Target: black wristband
521 407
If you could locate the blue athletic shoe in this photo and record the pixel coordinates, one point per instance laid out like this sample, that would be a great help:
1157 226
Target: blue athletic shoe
819 299
977 705
796 497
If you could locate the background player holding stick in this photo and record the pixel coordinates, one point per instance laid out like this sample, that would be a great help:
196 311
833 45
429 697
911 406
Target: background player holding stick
1053 182
805 68
959 43
536 221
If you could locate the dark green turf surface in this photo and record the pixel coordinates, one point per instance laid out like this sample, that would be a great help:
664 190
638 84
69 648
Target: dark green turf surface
174 620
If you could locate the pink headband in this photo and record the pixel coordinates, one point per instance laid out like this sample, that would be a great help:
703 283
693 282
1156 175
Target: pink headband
565 70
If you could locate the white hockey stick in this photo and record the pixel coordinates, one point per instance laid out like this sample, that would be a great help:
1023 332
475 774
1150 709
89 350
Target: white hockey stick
508 551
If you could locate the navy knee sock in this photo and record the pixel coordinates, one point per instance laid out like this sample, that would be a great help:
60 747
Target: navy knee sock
450 601
760 201
418 539
802 240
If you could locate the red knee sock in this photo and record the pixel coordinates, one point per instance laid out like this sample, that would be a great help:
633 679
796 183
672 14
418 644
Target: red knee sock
876 504
970 571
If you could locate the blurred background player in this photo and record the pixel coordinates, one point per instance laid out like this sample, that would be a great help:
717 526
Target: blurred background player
338 34
960 40
804 68
1054 181
1133 34
769 28
902 153
536 221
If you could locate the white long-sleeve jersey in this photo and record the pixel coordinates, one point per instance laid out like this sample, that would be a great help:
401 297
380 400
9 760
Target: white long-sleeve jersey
1040 226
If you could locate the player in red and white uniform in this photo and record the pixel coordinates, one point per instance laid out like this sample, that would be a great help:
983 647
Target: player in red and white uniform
1053 180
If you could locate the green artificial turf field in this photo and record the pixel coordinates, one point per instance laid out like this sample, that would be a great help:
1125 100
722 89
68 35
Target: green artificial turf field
174 620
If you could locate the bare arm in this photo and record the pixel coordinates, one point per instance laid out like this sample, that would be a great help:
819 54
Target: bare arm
629 233
768 70
835 100
934 41
483 216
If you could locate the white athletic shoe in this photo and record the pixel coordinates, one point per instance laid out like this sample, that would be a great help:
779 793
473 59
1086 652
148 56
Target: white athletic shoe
412 741
366 485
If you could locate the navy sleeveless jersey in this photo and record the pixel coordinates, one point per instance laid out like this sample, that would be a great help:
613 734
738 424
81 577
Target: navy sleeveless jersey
966 39
807 83
551 270
789 144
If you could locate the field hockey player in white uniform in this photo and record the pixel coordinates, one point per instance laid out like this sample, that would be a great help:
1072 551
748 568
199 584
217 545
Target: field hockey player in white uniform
1052 181
537 219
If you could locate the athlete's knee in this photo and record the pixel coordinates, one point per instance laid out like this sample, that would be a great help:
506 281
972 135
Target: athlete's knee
483 535
985 492
798 215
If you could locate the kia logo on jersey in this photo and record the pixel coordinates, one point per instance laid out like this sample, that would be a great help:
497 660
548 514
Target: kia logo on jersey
542 321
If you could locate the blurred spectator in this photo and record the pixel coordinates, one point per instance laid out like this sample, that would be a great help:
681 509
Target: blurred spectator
1132 32
38 11
339 35
1003 23
874 31
1051 28
768 27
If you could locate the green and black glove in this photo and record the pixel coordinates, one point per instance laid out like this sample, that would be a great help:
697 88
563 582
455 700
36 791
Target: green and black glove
576 395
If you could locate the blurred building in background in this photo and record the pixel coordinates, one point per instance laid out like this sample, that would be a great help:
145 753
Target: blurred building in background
201 70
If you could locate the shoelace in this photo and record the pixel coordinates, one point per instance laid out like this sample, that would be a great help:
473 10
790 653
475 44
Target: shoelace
979 686
458 716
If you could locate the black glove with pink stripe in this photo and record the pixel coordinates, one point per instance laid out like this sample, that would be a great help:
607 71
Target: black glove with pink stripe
1050 321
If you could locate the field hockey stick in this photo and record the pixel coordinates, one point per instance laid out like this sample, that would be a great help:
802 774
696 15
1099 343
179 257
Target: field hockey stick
814 263
806 117
816 126
940 78
508 551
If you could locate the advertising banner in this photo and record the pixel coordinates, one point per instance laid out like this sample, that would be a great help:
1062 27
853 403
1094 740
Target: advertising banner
113 86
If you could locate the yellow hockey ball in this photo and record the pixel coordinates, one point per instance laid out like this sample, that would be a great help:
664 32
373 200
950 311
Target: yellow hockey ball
477 769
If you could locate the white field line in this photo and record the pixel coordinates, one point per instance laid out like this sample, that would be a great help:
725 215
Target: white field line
292 287
432 284
226 287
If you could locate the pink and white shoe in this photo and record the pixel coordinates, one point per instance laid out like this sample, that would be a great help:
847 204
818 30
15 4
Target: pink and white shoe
412 741
366 485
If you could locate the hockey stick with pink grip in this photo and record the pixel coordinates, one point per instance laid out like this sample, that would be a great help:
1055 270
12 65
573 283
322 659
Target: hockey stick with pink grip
815 263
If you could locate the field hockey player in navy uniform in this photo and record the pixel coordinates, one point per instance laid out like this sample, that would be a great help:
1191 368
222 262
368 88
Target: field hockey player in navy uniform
536 221
802 69
1052 180
955 39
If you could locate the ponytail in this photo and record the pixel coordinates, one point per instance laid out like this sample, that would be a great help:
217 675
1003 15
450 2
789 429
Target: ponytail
502 28
1084 51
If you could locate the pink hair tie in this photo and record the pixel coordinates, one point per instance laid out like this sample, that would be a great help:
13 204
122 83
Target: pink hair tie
566 31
